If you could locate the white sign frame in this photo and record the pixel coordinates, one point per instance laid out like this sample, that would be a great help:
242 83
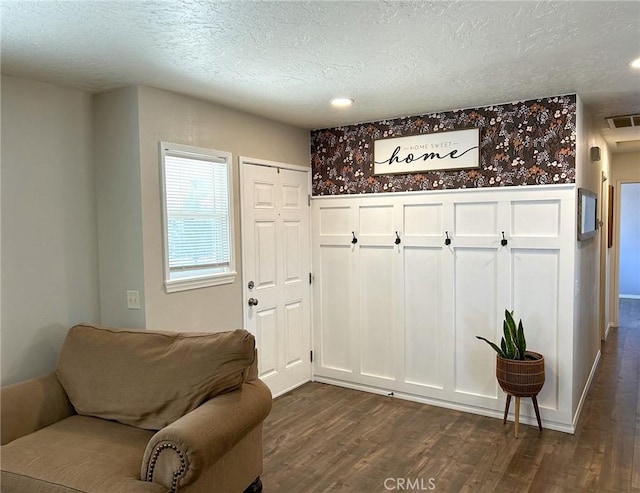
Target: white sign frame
449 150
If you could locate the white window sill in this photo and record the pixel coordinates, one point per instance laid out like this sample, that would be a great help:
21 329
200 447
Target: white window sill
176 285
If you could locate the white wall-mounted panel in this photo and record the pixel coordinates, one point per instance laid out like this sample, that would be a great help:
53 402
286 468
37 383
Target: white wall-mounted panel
538 218
335 221
294 326
376 220
535 301
335 309
422 324
475 308
265 245
267 340
476 218
423 220
376 311
291 247
263 196
404 318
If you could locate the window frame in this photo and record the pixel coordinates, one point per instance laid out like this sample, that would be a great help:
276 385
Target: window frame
207 280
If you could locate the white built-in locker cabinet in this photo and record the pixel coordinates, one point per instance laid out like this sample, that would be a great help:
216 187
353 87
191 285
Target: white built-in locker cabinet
403 318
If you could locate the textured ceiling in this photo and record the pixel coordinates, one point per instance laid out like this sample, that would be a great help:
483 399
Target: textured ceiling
286 60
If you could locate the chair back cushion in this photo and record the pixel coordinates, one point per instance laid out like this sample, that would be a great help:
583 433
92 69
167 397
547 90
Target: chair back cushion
149 379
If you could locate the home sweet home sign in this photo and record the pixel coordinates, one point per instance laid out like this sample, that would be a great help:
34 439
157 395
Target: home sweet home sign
458 149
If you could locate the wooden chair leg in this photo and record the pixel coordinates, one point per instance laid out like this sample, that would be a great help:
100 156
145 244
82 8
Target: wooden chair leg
535 406
517 416
506 409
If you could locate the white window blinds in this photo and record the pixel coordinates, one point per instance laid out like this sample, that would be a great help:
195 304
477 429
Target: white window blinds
197 214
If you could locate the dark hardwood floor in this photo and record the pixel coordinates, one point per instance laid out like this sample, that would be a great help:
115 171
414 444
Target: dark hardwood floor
322 438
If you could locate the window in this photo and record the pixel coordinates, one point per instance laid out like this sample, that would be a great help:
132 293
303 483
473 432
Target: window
198 217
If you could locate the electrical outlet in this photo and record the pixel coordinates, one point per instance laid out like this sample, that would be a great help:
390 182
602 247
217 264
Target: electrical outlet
133 300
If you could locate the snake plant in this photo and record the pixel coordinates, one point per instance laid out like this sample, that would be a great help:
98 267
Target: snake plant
513 344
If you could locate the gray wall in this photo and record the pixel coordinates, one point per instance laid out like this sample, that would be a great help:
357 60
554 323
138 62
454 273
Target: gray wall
49 239
80 201
117 165
171 117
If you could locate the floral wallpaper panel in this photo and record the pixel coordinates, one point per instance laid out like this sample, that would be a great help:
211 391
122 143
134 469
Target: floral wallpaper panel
521 143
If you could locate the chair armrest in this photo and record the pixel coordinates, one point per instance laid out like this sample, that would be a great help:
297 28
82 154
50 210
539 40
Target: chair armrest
176 455
30 405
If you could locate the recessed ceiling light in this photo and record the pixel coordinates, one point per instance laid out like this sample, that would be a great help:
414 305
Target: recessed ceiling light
635 63
341 102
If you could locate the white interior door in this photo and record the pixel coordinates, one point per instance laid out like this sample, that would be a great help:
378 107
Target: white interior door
276 270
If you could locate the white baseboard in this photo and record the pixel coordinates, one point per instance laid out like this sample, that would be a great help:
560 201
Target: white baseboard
585 391
551 425
630 296
606 332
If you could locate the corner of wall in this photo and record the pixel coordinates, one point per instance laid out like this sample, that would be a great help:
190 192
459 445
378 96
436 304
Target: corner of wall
117 168
49 239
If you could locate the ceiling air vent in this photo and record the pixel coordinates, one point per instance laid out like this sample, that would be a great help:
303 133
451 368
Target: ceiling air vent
623 121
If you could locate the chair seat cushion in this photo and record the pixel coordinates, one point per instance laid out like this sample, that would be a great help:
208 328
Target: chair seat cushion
146 378
79 454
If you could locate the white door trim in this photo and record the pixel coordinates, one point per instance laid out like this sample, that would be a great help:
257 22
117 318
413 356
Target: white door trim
273 164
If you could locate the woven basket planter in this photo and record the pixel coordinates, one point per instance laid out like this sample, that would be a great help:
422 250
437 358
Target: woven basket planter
521 378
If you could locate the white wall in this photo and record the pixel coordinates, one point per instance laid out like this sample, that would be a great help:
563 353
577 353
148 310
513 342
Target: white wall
117 164
49 240
404 318
586 326
171 117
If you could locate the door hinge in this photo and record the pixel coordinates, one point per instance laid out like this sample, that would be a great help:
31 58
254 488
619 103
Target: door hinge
311 356
309 199
310 277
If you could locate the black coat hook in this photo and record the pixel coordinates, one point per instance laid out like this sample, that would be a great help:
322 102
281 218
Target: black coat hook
354 240
504 241
397 240
448 240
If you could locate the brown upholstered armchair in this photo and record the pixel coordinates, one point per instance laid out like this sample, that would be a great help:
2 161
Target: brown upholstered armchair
138 411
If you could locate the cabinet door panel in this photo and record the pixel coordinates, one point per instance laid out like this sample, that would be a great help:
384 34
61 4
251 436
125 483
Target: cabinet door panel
376 220
377 312
535 300
535 218
336 303
475 308
476 219
334 221
422 324
423 220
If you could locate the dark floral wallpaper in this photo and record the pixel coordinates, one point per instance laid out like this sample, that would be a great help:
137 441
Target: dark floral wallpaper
521 143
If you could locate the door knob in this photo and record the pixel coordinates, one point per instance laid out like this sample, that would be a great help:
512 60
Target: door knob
252 302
